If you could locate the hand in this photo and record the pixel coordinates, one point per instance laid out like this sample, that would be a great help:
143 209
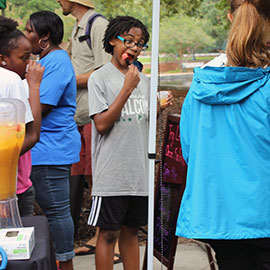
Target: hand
132 78
34 74
169 101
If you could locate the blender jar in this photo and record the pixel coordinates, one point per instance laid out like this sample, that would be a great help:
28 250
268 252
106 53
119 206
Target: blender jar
12 131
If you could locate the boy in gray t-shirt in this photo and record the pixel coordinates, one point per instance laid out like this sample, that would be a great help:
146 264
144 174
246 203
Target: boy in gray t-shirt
119 107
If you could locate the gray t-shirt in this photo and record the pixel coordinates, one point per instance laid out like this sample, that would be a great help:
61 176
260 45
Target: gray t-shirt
119 158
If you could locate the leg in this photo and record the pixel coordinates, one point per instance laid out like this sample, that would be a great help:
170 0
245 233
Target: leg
91 243
93 240
52 193
129 248
26 202
233 254
105 249
67 265
81 172
262 251
76 183
89 246
107 213
135 217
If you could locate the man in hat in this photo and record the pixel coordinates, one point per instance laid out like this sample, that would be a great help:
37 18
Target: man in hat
85 60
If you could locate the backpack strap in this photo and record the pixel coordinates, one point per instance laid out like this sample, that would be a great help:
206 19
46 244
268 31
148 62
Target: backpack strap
87 36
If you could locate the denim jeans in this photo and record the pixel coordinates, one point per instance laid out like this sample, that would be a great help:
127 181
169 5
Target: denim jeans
51 184
26 202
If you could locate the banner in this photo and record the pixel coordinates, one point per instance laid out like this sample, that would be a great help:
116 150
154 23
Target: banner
3 4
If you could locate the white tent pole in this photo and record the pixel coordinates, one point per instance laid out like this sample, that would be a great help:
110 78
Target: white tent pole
152 130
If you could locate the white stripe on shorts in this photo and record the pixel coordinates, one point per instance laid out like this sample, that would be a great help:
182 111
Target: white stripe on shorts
95 209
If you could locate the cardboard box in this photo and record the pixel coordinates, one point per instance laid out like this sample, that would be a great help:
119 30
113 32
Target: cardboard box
18 243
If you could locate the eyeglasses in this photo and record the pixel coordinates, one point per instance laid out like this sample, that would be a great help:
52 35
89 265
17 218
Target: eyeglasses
130 43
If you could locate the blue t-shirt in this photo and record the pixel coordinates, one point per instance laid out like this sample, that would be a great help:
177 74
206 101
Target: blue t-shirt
59 138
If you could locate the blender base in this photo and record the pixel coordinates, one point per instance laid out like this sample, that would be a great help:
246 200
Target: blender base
9 214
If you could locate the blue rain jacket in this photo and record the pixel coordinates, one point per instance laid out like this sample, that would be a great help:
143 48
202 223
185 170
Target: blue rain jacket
225 138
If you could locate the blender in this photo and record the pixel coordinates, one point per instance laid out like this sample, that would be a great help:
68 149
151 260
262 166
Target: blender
12 131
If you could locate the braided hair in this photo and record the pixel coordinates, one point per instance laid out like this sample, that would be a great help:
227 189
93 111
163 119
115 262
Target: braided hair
119 25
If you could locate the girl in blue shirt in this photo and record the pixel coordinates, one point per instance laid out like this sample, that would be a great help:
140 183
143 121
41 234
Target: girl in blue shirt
59 144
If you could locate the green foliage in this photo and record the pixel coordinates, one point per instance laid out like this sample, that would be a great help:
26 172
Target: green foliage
147 70
210 26
186 25
2 4
216 16
199 58
30 6
190 7
177 70
223 5
139 9
168 8
182 34
21 13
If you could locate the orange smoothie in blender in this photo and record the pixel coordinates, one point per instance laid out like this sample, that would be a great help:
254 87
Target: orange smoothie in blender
11 140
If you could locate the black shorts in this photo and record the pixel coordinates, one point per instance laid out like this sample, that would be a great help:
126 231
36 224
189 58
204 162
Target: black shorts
110 213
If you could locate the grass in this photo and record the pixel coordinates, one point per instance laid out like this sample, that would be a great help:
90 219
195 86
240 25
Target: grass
174 71
199 58
147 60
148 71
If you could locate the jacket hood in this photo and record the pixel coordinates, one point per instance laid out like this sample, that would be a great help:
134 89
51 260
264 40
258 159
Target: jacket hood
227 85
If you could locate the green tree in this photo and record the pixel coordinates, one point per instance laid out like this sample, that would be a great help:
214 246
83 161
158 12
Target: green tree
223 5
216 17
211 15
190 7
182 34
30 6
139 9
21 13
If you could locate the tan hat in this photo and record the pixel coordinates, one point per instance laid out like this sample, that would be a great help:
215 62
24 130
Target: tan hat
86 3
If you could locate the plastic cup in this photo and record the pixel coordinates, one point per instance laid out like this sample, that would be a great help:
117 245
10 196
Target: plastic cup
163 95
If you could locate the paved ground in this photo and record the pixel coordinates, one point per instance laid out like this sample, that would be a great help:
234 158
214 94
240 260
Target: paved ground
189 256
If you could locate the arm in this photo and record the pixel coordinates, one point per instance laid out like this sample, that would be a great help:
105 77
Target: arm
30 138
34 77
45 110
82 79
105 120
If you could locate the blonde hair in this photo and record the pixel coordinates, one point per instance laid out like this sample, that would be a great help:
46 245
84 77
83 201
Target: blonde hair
247 38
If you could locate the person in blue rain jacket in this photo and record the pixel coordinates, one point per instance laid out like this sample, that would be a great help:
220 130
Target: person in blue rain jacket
225 139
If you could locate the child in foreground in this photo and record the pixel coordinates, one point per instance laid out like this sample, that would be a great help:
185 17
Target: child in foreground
119 107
